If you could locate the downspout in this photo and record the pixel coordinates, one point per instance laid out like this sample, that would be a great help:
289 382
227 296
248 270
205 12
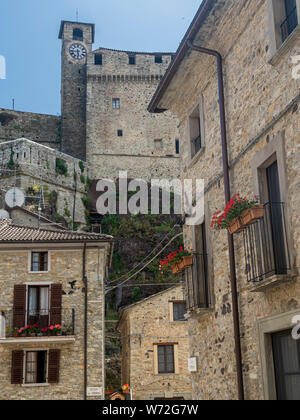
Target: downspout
233 280
85 282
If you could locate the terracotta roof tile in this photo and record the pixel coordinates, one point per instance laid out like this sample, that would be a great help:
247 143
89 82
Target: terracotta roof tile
15 233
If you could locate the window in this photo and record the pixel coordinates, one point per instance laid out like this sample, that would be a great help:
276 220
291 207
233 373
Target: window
116 103
179 310
39 261
132 60
166 363
158 143
196 132
77 34
38 306
120 133
283 21
177 147
158 59
286 353
36 367
98 59
198 277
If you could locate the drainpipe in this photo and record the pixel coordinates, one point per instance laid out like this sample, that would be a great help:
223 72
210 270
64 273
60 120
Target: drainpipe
235 306
85 282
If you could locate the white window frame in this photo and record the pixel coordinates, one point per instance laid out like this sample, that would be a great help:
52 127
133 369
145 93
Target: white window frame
28 350
37 284
30 261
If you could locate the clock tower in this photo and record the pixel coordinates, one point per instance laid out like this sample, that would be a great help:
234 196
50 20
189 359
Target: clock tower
77 39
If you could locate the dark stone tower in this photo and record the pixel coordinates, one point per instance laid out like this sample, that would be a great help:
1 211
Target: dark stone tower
77 39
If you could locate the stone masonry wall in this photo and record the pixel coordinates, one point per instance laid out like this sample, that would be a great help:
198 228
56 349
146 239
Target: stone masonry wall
136 151
145 324
41 128
262 103
66 266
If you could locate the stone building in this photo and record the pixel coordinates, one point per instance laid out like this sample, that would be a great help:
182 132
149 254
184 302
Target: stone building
49 278
259 42
155 348
104 120
63 179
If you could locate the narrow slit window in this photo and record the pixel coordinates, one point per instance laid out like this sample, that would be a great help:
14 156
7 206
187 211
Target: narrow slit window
132 60
98 59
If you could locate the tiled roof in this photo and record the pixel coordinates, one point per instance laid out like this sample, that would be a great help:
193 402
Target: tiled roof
15 233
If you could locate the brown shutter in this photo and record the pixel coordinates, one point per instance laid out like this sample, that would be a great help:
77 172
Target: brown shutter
53 366
19 306
17 367
55 304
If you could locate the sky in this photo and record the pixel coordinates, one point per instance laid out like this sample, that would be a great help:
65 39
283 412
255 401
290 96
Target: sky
31 48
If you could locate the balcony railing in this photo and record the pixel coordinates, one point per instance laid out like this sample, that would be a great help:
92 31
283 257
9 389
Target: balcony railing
289 24
197 284
43 319
266 245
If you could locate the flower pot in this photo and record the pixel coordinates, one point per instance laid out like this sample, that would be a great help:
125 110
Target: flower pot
23 335
236 226
15 334
186 262
175 268
69 333
32 335
250 216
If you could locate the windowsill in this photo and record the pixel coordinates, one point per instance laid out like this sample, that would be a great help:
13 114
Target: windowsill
195 159
286 46
34 385
38 340
199 312
271 282
39 272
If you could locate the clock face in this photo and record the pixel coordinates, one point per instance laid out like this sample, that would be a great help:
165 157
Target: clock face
77 51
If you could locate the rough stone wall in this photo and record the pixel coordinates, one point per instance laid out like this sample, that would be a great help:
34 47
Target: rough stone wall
144 325
26 157
135 151
41 128
259 107
66 266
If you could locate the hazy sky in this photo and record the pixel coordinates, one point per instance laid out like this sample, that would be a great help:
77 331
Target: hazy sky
29 40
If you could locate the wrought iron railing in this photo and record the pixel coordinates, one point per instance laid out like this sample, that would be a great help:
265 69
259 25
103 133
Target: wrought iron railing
289 24
266 245
42 318
197 145
197 283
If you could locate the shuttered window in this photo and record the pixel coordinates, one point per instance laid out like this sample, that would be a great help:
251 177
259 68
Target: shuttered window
17 367
56 304
19 309
36 367
166 363
53 366
39 261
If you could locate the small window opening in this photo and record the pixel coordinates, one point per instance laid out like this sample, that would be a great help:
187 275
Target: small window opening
132 60
116 103
77 34
120 133
98 59
177 147
158 59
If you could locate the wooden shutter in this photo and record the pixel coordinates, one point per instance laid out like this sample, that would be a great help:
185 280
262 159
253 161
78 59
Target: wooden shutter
17 367
55 304
19 310
53 366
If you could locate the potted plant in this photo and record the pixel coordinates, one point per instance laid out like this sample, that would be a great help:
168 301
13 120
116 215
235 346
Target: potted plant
177 261
126 389
57 330
14 332
69 330
238 213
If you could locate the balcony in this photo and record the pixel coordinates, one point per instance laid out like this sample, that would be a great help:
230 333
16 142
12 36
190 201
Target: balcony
289 24
197 285
266 249
42 331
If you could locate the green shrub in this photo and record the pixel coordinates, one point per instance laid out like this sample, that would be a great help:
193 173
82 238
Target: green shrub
61 167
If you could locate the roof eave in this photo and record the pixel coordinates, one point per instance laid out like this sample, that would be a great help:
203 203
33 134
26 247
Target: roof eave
203 11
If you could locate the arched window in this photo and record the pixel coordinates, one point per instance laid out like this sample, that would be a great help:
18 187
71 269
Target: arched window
77 34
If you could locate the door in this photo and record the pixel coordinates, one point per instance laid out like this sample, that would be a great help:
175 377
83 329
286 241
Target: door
286 353
38 306
275 213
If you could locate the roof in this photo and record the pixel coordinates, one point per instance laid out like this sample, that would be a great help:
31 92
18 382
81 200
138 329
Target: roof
75 23
10 233
134 52
201 15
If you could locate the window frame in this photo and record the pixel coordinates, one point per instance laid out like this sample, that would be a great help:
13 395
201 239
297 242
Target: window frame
175 358
158 59
132 59
35 384
77 37
171 307
120 133
116 103
30 262
96 56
